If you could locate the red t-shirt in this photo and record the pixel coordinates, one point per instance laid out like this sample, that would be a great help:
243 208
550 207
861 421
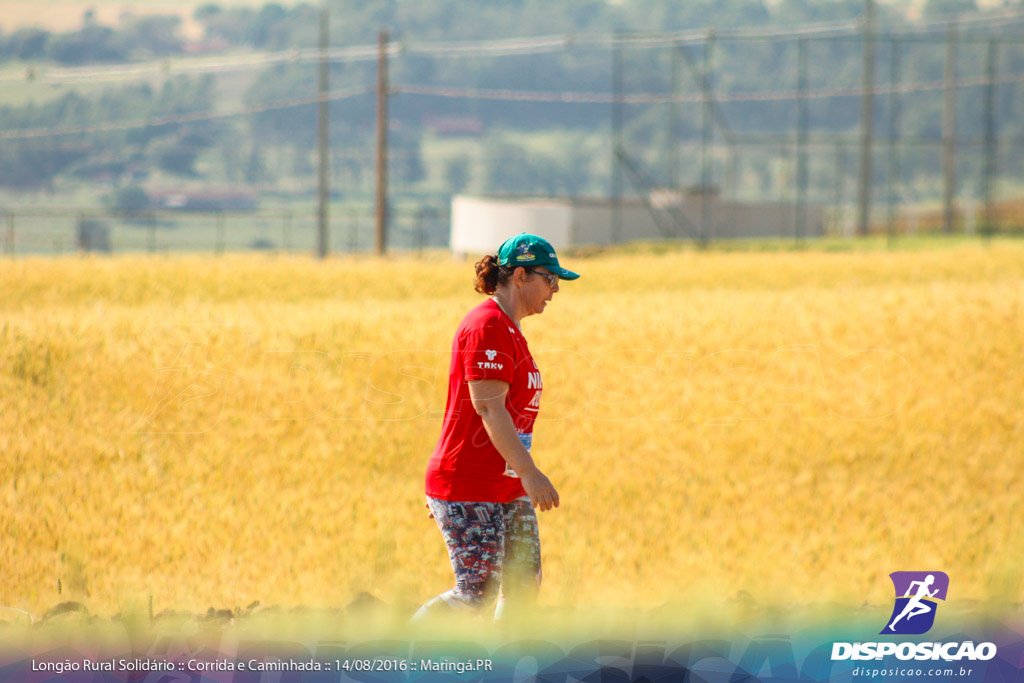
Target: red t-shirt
465 465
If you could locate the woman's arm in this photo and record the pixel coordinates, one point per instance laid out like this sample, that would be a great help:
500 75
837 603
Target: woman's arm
488 396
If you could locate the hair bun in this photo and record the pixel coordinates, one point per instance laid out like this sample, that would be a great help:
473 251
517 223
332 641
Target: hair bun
487 274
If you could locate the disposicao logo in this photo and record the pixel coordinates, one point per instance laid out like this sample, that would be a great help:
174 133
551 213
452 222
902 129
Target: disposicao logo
913 613
917 594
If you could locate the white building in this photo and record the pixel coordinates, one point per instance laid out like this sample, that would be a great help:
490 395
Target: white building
479 224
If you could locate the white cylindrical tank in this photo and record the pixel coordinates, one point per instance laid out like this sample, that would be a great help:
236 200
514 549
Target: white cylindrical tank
479 225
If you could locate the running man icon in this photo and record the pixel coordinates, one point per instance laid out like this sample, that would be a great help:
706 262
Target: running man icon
915 606
916 596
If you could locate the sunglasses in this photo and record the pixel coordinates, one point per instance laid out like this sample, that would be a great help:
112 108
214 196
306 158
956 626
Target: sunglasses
550 277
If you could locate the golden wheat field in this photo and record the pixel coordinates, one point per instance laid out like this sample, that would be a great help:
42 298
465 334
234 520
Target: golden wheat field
795 426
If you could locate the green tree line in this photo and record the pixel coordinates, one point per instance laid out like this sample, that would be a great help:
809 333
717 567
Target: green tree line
263 147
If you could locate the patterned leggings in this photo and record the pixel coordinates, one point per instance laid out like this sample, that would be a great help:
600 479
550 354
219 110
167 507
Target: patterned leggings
493 547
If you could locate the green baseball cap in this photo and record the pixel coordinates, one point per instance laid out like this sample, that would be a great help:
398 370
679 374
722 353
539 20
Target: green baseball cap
530 250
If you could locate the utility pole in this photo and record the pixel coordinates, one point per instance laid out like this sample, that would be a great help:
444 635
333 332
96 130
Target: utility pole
990 137
322 138
382 142
840 192
867 111
801 141
705 141
893 177
674 122
617 138
949 129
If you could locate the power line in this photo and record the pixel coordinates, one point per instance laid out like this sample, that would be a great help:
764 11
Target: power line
186 66
564 97
179 118
571 97
531 45
491 48
809 30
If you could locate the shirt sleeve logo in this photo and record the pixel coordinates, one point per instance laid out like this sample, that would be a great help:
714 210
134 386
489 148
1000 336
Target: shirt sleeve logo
489 364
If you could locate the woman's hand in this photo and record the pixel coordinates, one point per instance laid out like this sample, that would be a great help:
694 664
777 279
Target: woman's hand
539 488
488 396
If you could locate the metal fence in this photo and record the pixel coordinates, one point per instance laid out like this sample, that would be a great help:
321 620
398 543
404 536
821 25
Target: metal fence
42 231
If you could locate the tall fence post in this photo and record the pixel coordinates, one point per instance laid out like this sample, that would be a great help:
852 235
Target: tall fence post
706 225
381 220
990 138
732 181
9 240
353 229
617 138
323 116
838 187
83 239
286 229
675 121
867 115
801 141
949 130
893 177
420 223
220 234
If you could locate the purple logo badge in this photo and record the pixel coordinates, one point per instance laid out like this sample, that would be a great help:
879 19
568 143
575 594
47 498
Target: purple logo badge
917 594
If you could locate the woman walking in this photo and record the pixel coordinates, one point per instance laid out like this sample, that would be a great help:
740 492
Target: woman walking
482 484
